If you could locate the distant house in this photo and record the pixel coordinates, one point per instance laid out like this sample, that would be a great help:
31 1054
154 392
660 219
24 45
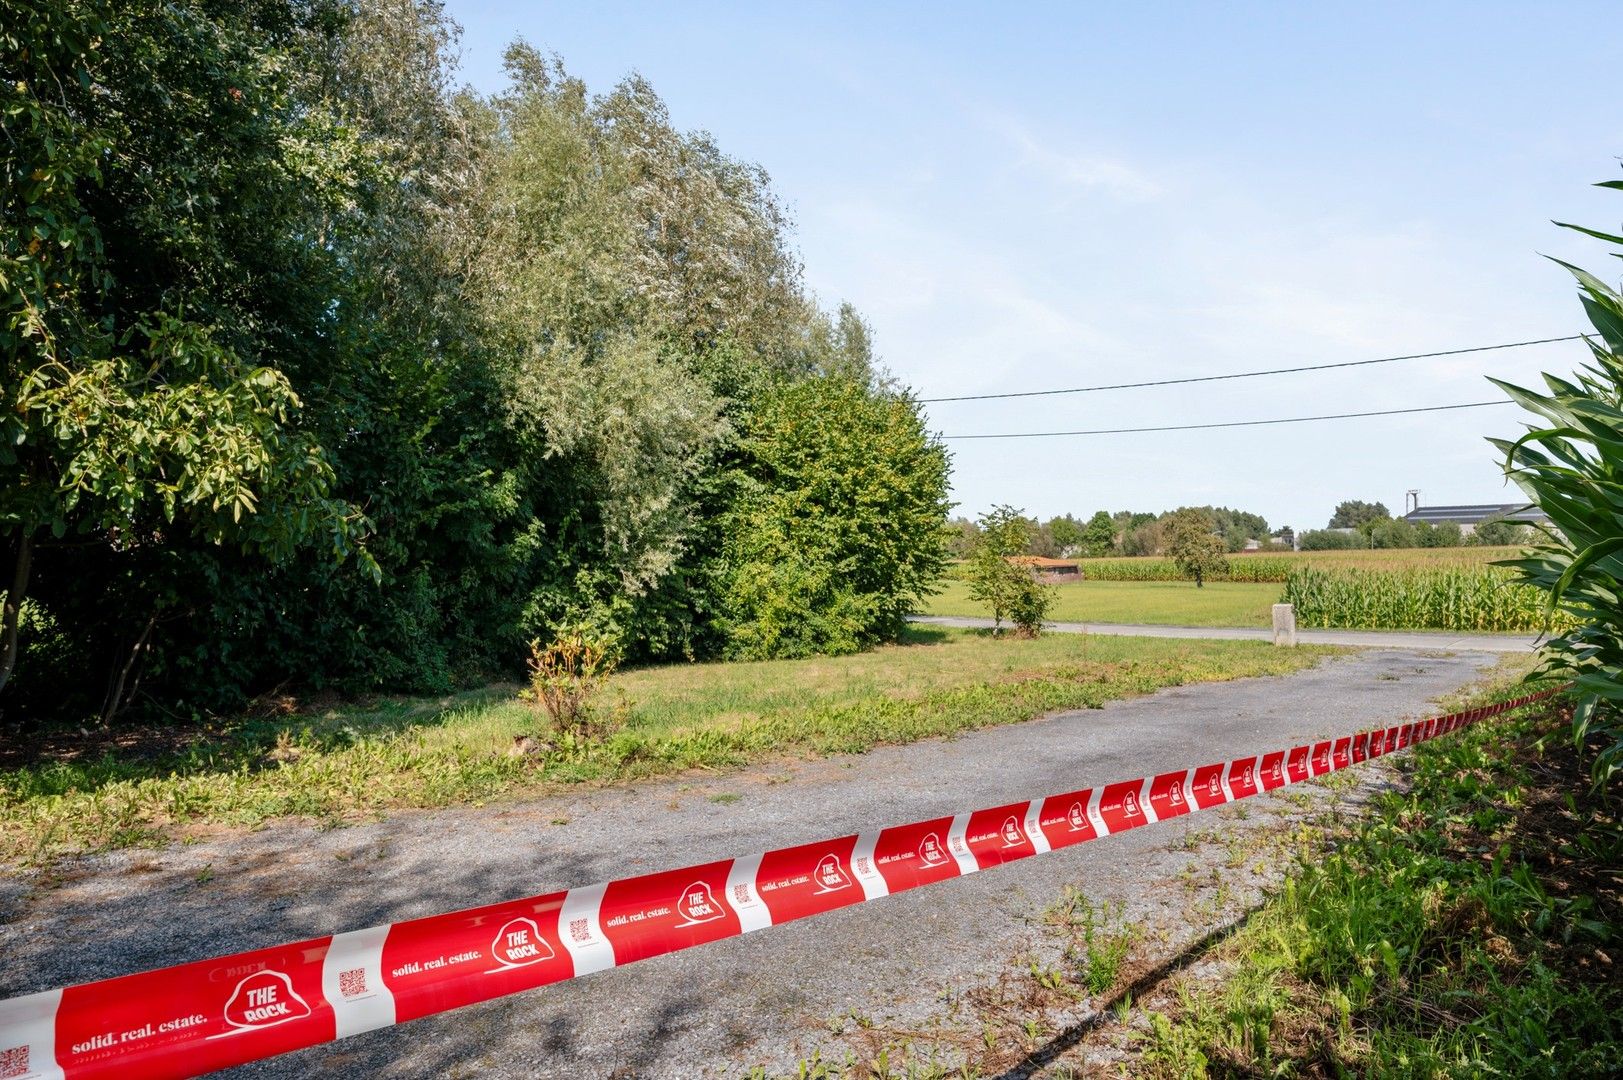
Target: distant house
1469 517
1053 571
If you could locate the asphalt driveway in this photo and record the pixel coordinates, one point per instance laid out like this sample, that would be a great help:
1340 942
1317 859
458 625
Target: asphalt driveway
719 1009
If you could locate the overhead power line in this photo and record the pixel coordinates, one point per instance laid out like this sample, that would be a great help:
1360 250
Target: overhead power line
1231 423
1250 374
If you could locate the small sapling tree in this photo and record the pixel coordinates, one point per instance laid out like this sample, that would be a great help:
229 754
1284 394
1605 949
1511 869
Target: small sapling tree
1000 579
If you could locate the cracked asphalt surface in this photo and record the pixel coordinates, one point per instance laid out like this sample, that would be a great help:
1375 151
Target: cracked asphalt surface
720 1009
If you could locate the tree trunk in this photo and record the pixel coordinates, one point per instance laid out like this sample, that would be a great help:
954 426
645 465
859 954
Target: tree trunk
11 617
115 700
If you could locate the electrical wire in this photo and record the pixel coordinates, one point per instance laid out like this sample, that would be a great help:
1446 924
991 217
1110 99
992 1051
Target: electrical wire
1249 374
1231 423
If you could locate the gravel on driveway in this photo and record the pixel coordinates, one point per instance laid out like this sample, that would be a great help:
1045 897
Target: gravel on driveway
721 1008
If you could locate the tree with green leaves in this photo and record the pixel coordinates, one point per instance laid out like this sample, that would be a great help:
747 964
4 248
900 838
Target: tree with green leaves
834 532
1099 538
1000 575
1354 513
1570 464
158 275
1498 533
1193 543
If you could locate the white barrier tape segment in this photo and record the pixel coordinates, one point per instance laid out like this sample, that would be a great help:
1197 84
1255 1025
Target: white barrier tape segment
1100 826
32 1027
743 895
1150 817
1033 826
1189 799
862 865
28 1036
352 981
582 933
958 845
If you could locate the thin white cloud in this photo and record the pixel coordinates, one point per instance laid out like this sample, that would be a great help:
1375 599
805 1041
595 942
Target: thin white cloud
1047 155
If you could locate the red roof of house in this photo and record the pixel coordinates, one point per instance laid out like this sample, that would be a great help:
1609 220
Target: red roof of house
1042 563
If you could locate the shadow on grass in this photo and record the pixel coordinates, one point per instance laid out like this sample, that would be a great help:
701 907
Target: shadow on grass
919 634
1039 1059
87 761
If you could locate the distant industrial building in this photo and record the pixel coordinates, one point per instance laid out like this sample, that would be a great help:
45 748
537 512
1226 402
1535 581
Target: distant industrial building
1469 517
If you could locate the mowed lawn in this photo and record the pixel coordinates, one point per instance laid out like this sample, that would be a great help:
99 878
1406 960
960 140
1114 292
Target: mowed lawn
341 763
1165 603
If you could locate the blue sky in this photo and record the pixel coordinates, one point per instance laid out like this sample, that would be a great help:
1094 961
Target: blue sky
1062 195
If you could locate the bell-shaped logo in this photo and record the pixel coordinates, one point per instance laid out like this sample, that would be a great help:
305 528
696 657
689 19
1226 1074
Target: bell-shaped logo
930 853
830 876
1012 836
1077 817
1175 796
698 905
1129 804
262 999
519 943
1214 785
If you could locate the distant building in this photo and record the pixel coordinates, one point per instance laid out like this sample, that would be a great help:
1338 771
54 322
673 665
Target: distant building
1469 517
1052 571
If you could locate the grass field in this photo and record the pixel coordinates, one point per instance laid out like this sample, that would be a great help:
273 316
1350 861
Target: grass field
1165 603
346 762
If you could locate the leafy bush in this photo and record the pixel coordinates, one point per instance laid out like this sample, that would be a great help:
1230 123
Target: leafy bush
1330 540
567 673
1029 604
1571 465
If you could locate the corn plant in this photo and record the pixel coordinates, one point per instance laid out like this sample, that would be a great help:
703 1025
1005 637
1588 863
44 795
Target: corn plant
1469 599
1571 465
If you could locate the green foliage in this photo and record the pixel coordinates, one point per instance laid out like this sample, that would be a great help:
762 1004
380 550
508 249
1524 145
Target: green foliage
999 576
1068 534
316 367
1481 599
1195 548
1100 536
1455 929
1354 513
834 533
1571 465
1330 540
566 675
1499 534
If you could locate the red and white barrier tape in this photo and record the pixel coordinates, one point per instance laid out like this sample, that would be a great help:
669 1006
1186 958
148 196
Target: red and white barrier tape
198 1017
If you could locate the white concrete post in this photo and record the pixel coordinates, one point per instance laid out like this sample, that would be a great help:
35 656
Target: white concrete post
1285 625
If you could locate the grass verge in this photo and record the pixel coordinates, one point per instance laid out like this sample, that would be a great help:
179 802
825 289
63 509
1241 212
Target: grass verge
474 747
1163 603
1464 928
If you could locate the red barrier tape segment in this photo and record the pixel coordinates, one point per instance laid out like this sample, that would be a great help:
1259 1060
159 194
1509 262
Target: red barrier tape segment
198 1017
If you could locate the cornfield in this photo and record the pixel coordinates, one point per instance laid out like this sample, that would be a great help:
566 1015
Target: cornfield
1278 568
1483 599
